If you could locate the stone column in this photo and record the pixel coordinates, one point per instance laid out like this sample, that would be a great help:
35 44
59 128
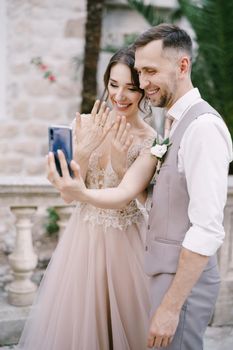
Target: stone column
23 260
64 213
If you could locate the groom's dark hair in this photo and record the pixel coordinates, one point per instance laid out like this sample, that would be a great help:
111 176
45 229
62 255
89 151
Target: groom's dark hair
171 35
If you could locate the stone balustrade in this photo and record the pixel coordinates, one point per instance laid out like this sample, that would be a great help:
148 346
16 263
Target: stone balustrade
24 195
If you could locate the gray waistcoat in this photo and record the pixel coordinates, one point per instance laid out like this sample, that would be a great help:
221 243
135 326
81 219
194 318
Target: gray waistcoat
168 219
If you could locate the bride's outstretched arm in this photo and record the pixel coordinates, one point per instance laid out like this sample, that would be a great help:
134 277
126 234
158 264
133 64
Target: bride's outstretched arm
134 182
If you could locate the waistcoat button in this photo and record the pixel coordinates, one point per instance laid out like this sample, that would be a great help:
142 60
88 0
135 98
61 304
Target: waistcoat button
148 227
146 248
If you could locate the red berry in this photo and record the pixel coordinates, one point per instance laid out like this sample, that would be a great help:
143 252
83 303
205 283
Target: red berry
52 78
43 67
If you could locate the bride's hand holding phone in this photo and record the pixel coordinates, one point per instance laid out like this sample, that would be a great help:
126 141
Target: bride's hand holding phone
70 188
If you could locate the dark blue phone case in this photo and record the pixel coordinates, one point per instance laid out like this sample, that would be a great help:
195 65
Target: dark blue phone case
60 137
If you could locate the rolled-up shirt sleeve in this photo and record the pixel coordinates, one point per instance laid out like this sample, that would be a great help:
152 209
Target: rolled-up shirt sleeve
204 155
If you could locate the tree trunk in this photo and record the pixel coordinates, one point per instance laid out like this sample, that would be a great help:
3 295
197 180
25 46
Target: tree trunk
91 57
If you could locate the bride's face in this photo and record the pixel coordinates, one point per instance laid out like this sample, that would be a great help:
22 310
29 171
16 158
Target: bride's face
123 95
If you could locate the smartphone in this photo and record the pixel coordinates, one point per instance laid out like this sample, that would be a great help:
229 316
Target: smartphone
60 137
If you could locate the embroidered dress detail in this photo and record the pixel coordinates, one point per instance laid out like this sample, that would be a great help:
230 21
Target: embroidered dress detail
120 218
103 178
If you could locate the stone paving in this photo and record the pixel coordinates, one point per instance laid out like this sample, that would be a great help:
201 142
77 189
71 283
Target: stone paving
217 338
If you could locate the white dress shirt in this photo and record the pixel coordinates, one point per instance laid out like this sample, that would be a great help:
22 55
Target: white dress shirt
204 156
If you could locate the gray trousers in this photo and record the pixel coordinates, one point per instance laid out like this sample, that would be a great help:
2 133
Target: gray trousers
196 311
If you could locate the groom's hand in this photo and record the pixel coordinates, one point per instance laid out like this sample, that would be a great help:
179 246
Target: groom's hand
162 328
69 188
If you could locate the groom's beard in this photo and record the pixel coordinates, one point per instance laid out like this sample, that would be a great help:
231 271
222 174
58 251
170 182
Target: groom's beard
164 100
167 97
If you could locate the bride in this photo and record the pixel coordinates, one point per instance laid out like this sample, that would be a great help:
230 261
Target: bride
94 294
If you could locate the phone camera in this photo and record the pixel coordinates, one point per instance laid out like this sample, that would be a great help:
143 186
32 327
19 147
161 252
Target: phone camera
51 134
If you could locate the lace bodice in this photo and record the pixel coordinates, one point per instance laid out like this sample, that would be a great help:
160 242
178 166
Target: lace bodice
103 178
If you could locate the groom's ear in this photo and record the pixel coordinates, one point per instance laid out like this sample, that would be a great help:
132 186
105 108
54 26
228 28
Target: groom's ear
184 66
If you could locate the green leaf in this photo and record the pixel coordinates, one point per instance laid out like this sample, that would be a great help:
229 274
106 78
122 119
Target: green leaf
166 141
36 60
147 11
154 143
51 225
47 74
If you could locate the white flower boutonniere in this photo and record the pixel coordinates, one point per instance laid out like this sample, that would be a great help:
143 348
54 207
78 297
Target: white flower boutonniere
159 150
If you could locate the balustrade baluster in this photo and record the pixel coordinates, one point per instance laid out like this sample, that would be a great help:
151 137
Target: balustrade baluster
23 260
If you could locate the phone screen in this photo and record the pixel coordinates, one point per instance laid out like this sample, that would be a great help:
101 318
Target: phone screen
60 137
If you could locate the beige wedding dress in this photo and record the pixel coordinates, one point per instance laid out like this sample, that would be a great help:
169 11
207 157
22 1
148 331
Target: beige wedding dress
94 294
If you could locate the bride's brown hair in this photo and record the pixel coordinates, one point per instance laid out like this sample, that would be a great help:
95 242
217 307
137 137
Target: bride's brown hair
125 56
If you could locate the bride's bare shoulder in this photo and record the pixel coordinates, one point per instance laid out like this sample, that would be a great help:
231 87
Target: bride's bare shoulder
148 131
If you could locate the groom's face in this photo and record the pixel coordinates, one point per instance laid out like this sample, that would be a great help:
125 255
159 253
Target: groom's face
158 73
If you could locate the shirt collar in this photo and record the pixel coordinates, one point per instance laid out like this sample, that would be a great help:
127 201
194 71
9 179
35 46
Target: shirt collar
183 103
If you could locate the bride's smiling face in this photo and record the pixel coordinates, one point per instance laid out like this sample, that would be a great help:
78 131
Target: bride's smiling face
122 94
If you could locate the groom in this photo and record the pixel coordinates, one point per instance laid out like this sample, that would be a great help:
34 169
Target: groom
185 222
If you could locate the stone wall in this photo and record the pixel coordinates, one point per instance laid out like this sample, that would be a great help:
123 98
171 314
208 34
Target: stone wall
53 30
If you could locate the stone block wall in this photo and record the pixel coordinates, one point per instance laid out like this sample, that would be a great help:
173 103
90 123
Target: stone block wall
53 30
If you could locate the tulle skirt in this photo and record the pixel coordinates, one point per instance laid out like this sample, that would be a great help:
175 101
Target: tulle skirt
94 294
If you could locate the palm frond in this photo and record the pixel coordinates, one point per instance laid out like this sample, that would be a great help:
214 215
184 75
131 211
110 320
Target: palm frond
147 11
213 67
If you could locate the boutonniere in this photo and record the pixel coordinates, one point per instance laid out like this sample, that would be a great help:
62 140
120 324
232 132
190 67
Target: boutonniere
159 149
